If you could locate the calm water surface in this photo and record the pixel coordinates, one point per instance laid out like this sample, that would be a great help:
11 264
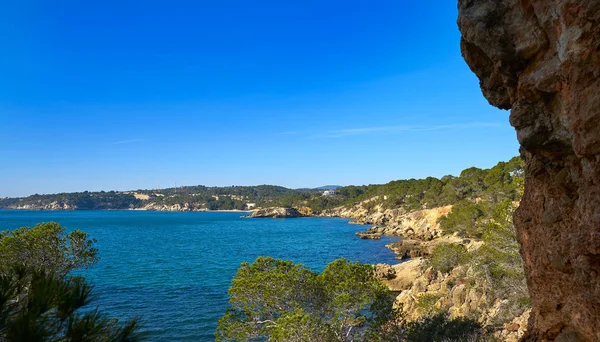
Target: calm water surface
173 269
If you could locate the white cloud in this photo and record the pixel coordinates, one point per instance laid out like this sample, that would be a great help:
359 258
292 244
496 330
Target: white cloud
340 133
287 133
130 141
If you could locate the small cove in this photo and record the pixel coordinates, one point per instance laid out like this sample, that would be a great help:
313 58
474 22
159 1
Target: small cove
173 269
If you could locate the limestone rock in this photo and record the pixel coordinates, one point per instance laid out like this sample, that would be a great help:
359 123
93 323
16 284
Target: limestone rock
369 236
407 248
419 224
274 213
514 330
385 272
405 274
541 59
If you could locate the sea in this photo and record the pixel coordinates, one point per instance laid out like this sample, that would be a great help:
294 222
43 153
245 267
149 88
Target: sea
172 269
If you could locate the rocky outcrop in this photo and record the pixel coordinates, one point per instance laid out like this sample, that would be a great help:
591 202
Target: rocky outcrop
173 207
419 224
513 331
400 277
407 248
368 235
385 272
275 213
55 205
422 291
541 60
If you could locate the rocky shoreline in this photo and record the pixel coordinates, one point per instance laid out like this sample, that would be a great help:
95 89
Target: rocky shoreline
413 278
275 213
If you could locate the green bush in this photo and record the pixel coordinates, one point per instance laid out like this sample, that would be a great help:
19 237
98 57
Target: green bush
39 298
426 303
282 301
446 256
465 219
440 327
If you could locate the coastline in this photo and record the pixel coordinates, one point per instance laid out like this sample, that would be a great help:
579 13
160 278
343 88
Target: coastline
352 221
132 209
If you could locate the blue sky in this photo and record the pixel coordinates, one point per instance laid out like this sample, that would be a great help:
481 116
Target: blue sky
103 95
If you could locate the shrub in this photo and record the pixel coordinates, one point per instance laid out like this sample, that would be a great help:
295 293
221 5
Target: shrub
440 327
426 303
282 301
463 219
39 298
446 256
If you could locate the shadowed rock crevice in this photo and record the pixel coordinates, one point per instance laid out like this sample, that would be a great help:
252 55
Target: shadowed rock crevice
541 60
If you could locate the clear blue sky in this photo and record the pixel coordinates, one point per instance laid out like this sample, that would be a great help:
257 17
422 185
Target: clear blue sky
119 95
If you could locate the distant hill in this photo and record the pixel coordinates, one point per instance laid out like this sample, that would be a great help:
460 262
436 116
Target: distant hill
499 182
185 198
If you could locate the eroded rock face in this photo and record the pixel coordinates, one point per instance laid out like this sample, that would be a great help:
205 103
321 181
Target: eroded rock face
541 60
274 213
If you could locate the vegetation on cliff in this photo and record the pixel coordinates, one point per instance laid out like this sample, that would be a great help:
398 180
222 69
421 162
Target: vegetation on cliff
472 267
491 269
40 299
282 301
495 184
77 200
190 197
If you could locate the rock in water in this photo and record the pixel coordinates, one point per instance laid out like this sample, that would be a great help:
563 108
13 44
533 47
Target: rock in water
275 213
541 60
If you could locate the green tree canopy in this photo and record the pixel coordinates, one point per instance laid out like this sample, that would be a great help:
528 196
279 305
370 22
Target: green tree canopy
47 248
284 301
40 300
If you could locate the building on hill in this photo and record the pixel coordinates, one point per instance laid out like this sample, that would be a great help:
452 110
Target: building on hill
329 192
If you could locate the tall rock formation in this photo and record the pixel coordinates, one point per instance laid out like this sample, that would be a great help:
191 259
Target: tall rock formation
541 60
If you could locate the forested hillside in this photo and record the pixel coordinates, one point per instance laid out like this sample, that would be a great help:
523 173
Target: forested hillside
196 197
495 184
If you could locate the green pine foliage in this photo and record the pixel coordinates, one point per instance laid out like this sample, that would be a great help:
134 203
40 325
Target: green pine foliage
282 301
445 256
503 181
40 299
498 264
439 328
277 300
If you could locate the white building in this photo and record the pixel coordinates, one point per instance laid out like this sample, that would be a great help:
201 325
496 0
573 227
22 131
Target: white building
329 192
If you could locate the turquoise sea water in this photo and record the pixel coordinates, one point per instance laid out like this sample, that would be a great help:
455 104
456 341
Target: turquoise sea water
173 269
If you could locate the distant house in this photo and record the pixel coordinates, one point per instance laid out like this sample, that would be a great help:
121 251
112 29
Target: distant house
250 205
329 192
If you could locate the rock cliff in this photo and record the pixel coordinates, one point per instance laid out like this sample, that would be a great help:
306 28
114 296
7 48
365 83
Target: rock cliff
541 60
275 213
422 291
419 224
55 205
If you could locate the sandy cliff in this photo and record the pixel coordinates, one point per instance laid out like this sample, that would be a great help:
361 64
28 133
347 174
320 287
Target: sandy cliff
541 60
275 213
419 224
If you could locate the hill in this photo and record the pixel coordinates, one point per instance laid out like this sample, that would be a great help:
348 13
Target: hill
497 182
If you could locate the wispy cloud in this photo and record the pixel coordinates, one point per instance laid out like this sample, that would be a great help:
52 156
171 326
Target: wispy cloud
129 141
340 133
287 133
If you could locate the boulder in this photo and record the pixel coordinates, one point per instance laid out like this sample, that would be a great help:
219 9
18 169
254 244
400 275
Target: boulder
369 236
